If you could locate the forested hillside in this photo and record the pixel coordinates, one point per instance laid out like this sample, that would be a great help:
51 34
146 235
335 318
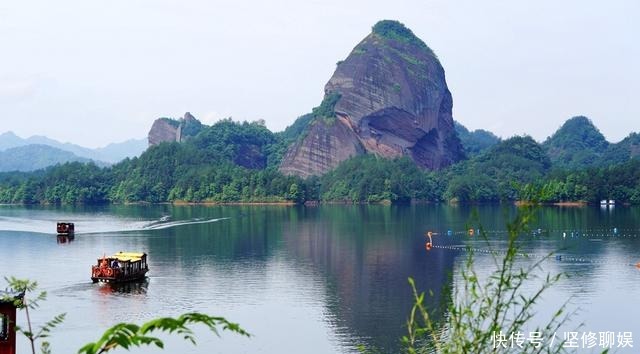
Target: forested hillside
237 162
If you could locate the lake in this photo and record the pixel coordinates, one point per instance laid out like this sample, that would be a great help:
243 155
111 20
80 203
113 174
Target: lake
308 279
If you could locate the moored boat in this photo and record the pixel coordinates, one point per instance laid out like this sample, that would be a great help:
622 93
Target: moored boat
65 228
121 267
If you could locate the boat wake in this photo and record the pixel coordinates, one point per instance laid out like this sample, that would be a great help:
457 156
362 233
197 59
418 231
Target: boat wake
87 226
166 225
162 223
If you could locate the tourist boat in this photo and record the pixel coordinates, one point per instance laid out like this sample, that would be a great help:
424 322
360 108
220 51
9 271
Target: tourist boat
121 267
65 228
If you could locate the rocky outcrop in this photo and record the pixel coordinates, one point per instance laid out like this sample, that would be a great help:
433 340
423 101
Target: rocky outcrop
326 144
169 130
390 98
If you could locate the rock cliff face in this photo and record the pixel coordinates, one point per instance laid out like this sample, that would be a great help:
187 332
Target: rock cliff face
167 129
390 98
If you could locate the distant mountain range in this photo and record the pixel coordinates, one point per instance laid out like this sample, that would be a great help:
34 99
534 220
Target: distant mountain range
37 152
36 156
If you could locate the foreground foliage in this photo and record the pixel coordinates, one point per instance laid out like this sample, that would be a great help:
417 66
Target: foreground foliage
484 308
121 335
27 303
127 335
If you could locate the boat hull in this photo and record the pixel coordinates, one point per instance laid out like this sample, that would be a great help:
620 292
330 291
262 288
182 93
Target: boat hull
120 279
65 228
122 267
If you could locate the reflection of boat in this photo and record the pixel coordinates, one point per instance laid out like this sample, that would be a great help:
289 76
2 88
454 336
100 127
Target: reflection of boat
65 238
138 287
65 228
121 267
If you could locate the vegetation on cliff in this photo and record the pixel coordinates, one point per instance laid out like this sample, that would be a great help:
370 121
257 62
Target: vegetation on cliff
395 30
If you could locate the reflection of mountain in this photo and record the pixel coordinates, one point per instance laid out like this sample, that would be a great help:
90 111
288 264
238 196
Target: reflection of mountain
367 253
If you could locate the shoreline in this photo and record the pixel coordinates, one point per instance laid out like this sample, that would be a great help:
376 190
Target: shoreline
315 203
577 204
183 202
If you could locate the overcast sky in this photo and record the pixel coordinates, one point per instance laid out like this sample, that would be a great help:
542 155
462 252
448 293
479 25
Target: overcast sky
93 72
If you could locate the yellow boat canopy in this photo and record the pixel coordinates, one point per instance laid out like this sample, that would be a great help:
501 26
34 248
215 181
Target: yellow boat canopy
128 256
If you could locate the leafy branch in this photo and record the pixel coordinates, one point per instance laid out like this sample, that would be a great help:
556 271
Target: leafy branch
25 302
123 335
484 306
127 335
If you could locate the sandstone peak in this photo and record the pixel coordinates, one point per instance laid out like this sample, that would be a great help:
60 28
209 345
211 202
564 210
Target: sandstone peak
389 97
169 130
188 116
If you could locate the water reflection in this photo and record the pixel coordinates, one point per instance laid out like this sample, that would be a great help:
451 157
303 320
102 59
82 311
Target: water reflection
366 254
337 275
138 288
64 239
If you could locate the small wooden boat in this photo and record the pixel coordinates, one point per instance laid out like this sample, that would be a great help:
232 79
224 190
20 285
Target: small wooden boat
119 268
65 228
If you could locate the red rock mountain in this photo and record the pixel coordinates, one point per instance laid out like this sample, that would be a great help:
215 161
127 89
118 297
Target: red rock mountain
389 97
169 130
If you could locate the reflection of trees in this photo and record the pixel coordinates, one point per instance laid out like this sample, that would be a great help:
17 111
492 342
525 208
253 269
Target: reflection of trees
248 233
367 253
586 224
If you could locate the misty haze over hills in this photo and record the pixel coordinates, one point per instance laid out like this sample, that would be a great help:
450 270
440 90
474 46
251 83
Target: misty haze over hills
35 152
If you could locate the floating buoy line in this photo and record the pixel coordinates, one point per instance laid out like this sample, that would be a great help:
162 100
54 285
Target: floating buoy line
559 258
592 234
609 232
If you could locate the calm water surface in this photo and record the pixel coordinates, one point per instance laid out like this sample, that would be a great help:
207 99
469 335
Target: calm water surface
313 280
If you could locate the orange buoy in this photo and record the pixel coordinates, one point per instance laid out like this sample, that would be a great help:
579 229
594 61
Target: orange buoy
638 265
471 232
108 272
430 242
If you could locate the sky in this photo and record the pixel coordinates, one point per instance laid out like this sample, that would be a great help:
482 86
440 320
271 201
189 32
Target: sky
92 72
